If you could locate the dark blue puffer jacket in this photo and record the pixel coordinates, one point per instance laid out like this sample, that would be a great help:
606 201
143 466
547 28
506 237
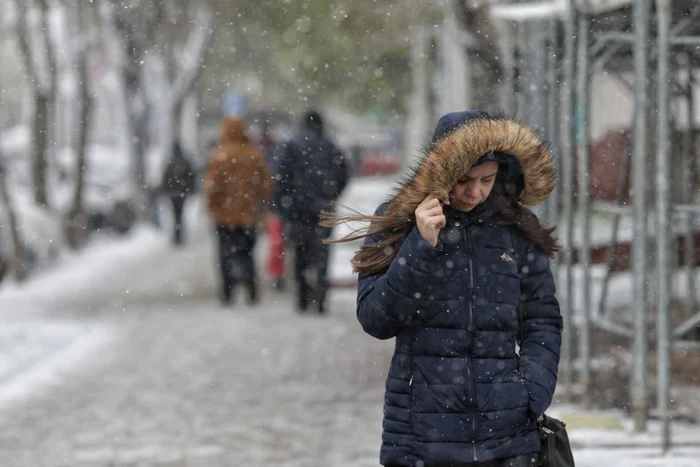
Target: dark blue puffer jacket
457 390
313 173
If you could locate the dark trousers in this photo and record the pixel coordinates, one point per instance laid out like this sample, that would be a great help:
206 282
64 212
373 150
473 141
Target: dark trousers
236 261
310 263
178 227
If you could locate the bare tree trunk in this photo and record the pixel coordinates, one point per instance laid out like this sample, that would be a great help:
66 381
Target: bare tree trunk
483 51
187 75
420 117
42 85
40 131
49 136
139 142
456 92
77 221
126 55
189 123
17 268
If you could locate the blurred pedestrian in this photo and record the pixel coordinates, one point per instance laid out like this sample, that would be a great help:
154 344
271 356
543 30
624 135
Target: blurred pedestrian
178 184
237 186
456 268
273 221
270 147
313 173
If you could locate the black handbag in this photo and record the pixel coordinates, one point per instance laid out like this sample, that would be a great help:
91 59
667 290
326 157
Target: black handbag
556 449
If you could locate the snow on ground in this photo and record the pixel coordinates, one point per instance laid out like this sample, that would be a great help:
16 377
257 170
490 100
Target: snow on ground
128 359
35 354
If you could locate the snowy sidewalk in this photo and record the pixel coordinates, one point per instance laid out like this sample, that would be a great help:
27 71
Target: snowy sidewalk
161 375
203 386
178 380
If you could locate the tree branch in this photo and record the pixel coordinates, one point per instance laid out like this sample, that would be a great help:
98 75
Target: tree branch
111 37
14 229
25 48
474 18
193 53
47 85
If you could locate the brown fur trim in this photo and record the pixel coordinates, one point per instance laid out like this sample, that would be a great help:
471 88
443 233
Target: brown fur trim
443 165
450 158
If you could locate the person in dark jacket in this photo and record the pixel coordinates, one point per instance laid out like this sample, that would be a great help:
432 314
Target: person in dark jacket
456 268
178 184
312 174
269 147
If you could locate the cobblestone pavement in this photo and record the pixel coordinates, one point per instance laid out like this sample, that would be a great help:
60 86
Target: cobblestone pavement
184 382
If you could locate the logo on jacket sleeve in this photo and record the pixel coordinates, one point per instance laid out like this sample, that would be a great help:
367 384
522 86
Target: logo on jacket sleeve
506 257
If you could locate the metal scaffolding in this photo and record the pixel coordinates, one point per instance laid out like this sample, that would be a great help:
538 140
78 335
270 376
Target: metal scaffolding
656 42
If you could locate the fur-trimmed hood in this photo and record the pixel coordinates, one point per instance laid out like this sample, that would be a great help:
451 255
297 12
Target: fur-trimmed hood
460 140
451 156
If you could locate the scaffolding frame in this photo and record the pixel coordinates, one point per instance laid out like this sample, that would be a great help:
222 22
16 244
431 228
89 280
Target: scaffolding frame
656 46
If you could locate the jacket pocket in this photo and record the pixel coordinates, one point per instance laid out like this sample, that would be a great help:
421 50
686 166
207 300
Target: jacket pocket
525 392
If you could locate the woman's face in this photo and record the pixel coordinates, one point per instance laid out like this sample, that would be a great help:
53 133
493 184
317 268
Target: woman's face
474 187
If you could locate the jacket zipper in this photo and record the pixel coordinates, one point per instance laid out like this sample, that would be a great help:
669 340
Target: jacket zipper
470 327
410 371
409 350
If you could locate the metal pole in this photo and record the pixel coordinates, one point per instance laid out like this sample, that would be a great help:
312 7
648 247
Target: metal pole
638 386
533 64
689 186
538 66
663 202
420 110
508 89
567 184
553 113
455 62
524 71
686 208
582 149
693 171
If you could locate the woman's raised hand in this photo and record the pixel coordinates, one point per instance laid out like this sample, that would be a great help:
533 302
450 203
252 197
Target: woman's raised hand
430 219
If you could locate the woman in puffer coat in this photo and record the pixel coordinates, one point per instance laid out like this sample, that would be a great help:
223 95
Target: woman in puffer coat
456 269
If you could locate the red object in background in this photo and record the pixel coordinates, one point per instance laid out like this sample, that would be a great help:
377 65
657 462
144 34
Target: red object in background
607 157
275 260
377 164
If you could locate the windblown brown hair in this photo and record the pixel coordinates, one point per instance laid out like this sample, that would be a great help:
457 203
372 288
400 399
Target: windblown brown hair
443 164
392 230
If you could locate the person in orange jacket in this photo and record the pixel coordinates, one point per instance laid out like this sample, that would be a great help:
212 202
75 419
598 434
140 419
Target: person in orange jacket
237 187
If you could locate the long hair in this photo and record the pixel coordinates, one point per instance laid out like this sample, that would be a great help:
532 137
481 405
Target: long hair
465 138
390 230
524 220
